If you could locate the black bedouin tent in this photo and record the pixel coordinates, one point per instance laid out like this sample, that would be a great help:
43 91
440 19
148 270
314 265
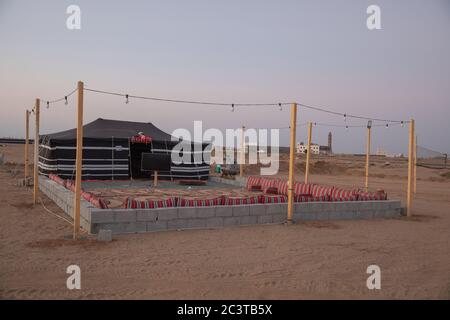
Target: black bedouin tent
110 152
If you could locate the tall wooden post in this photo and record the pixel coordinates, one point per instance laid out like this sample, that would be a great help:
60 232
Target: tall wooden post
79 163
36 152
155 179
27 141
241 167
291 162
369 128
410 169
415 164
308 152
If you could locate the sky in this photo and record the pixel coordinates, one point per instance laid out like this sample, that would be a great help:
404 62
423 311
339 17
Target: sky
314 52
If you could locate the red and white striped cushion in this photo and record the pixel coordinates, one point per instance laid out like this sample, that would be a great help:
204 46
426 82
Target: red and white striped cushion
282 187
272 199
269 184
339 194
231 201
182 202
130 203
253 183
311 199
302 189
319 191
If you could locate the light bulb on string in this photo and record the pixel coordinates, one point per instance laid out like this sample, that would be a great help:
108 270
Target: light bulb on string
346 128
232 107
48 104
126 98
281 108
387 125
345 117
66 103
401 123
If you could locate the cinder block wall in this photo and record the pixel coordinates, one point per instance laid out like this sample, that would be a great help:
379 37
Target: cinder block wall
149 220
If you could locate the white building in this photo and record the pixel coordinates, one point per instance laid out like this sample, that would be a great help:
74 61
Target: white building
301 148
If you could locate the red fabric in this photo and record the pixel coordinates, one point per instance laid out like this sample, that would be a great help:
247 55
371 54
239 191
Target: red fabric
269 184
253 183
130 203
319 191
57 179
282 187
272 198
310 199
141 139
339 194
371 196
240 201
302 189
200 202
98 202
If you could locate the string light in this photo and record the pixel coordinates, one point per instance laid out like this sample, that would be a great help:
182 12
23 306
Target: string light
66 103
48 104
401 123
232 107
126 98
346 128
281 108
345 117
387 125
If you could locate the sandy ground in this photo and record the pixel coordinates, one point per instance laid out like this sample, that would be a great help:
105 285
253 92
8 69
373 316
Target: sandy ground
325 260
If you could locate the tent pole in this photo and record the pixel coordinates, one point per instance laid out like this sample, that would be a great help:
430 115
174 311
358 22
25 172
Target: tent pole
79 163
36 152
27 141
369 128
410 169
241 167
415 165
291 162
155 179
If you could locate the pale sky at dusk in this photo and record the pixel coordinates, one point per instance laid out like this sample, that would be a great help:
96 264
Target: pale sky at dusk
314 52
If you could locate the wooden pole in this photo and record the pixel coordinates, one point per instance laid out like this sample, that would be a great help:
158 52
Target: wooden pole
291 162
27 141
369 128
308 152
410 169
155 179
241 167
415 165
36 152
79 163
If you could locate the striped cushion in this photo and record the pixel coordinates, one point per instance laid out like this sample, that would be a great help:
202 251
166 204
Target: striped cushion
339 194
302 189
98 202
282 186
311 199
269 185
131 203
182 202
272 199
253 183
319 191
368 196
57 179
231 201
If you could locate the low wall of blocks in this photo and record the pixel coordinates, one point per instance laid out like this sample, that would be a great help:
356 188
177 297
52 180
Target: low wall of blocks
149 220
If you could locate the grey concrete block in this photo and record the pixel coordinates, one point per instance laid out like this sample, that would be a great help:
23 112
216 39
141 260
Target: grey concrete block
310 216
274 208
206 212
146 215
178 224
224 211
343 215
159 225
248 220
366 214
279 218
257 209
125 215
187 213
135 227
216 222
323 215
196 223
167 214
378 214
104 235
265 219
101 216
239 211
231 221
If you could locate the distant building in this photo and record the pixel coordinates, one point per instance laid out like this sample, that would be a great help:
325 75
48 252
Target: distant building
315 148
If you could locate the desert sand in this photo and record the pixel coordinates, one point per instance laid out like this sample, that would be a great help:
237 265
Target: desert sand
324 260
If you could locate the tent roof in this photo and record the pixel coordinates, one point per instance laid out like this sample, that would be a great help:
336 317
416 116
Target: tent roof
104 128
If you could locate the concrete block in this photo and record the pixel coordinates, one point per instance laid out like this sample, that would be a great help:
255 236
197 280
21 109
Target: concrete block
196 223
102 216
366 214
257 209
187 213
135 227
279 218
310 216
159 225
343 215
178 224
206 212
239 211
224 211
125 215
231 221
323 215
167 214
216 222
248 220
265 219
104 235
378 214
146 215
116 228
274 208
